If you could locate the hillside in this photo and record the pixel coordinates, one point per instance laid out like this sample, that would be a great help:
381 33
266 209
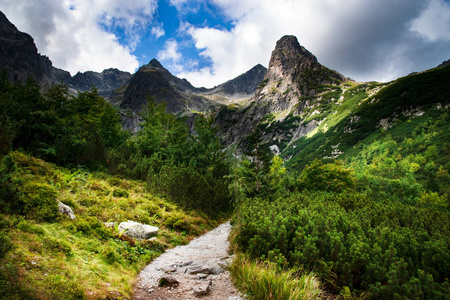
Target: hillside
363 204
70 151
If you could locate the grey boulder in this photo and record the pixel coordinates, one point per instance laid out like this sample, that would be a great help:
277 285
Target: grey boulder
137 230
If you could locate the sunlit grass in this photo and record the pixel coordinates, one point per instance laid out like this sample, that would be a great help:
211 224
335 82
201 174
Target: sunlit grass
263 281
82 259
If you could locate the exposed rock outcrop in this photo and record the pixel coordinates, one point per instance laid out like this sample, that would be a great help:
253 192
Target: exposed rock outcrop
19 55
106 82
445 63
243 85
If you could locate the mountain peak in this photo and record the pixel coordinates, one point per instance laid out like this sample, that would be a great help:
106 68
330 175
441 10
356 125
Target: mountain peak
155 64
289 55
292 48
245 83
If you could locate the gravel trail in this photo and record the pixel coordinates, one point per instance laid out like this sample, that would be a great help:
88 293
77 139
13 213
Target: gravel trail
196 270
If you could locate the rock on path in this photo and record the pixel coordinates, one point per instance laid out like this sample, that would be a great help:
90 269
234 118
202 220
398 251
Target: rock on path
196 270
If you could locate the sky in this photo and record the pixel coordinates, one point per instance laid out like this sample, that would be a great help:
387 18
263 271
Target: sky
211 41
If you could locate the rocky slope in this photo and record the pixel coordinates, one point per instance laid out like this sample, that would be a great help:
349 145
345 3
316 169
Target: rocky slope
19 55
293 84
238 90
20 58
106 81
153 80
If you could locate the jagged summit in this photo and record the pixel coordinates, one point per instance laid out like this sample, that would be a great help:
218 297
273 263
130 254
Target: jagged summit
5 24
154 64
20 58
445 63
292 67
288 55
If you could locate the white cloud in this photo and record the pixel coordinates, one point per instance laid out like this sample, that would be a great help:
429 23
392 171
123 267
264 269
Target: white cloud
170 55
187 6
434 22
366 40
170 51
158 31
76 34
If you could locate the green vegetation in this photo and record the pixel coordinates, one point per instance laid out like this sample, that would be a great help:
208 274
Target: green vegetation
58 147
375 224
264 281
53 256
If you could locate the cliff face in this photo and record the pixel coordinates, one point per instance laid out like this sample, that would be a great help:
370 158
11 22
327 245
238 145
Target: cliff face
293 83
20 58
293 73
19 55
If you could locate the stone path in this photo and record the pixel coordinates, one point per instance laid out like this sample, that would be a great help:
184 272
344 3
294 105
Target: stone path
197 270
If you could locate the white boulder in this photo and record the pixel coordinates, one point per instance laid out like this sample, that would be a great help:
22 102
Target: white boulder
137 230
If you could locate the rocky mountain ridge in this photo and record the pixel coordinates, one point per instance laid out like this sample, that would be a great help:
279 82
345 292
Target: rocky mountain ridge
20 58
181 98
293 84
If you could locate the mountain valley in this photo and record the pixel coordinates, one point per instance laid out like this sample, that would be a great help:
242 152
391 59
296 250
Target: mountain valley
335 188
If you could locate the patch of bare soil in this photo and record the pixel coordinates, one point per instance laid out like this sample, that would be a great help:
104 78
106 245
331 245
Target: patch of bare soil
197 270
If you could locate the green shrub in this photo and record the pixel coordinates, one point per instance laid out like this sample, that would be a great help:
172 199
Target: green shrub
120 193
180 183
5 241
384 248
178 222
331 177
57 245
38 201
83 226
27 226
111 256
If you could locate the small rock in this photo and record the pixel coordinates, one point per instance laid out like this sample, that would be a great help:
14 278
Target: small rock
202 290
169 269
202 275
168 280
110 224
217 271
225 264
186 264
200 269
66 210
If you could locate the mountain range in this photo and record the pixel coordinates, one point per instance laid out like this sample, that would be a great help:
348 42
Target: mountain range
295 97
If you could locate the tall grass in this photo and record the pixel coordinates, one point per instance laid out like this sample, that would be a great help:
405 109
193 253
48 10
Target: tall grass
263 281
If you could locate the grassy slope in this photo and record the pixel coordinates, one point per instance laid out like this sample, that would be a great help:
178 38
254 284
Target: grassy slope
80 259
424 91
